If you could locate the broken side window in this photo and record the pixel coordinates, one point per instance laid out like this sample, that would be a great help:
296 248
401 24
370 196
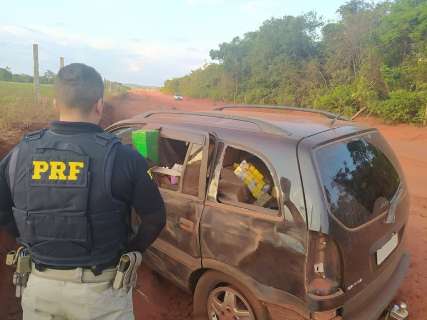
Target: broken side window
246 179
179 164
169 171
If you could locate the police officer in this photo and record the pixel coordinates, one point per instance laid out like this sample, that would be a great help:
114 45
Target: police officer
69 189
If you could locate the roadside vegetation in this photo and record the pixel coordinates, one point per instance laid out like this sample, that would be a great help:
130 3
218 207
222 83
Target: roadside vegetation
19 108
6 74
373 58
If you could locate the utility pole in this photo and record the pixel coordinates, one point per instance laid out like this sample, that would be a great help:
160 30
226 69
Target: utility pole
61 63
36 72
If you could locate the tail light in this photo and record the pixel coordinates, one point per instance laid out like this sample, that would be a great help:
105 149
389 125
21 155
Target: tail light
324 273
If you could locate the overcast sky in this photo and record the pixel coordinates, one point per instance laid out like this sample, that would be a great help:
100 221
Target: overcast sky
134 41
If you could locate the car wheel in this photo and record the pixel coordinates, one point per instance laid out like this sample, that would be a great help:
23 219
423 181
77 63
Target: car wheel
220 297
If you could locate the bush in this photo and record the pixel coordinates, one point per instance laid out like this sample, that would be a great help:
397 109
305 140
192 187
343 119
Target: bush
5 75
339 100
402 106
347 99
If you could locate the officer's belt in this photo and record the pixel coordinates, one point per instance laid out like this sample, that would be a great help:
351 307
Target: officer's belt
78 275
97 270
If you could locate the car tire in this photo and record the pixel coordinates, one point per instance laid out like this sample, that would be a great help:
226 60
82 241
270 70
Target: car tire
212 283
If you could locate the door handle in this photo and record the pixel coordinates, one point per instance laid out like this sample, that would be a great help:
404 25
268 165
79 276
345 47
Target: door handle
186 225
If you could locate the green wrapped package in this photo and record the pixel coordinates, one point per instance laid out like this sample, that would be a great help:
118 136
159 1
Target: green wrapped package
146 142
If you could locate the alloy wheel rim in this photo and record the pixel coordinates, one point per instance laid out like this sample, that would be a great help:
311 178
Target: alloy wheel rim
225 303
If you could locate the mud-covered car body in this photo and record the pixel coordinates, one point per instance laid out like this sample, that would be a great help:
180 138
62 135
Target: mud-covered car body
302 259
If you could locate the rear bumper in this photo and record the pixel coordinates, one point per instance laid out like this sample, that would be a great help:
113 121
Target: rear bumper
368 304
371 302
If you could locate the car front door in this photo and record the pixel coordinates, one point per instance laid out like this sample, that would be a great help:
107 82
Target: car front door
176 253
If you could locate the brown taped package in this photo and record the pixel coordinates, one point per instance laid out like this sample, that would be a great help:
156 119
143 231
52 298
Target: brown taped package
231 188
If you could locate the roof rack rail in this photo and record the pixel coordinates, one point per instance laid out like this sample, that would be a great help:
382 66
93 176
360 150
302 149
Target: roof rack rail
263 126
327 114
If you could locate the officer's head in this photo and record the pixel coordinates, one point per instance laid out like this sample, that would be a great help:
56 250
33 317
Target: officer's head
79 92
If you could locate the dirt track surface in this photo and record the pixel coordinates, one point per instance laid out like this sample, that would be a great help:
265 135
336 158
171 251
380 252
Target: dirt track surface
139 101
157 299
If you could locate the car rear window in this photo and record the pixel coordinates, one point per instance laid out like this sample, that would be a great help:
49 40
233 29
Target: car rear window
358 178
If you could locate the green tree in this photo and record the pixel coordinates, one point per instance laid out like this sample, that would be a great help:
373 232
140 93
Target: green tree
48 77
5 74
22 78
374 56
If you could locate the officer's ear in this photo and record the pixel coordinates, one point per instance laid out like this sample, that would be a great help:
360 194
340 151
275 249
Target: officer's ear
99 107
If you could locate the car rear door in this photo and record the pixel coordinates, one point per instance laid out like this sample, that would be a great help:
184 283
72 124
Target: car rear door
249 241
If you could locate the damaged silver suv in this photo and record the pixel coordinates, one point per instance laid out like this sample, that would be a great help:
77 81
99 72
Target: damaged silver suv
277 213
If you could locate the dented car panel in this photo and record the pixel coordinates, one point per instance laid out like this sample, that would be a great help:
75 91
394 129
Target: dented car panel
235 237
246 238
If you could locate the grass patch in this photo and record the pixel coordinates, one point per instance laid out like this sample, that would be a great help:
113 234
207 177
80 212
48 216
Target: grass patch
18 106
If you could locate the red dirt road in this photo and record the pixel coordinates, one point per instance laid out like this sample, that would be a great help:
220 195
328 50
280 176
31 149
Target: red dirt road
140 100
157 299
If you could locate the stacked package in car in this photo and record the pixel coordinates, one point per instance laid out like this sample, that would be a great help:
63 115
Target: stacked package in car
252 178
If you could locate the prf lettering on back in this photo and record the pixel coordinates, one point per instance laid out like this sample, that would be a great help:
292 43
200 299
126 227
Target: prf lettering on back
57 170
